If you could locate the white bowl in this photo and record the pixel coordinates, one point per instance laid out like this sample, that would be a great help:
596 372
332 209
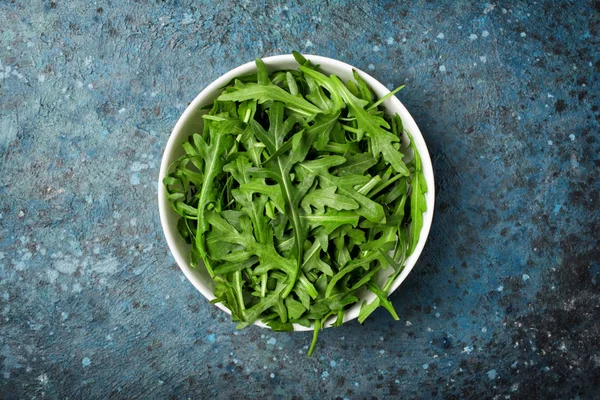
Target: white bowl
191 122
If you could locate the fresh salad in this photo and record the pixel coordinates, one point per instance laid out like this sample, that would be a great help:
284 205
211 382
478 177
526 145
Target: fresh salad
297 192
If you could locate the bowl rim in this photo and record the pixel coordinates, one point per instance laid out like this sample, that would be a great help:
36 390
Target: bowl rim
272 61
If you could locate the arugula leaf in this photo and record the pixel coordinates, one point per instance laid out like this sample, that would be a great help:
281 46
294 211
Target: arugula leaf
212 153
319 198
418 204
345 185
381 141
267 91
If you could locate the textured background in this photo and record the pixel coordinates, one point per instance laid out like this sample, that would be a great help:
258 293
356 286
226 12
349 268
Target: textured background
504 301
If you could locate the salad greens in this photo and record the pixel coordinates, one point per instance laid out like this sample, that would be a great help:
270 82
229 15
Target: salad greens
296 194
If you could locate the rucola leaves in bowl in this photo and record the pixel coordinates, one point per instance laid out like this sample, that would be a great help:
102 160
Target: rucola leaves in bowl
296 194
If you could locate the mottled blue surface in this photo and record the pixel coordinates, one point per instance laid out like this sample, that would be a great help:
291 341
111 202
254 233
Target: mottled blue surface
504 301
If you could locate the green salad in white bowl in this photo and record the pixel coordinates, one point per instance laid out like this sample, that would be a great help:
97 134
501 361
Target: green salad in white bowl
296 193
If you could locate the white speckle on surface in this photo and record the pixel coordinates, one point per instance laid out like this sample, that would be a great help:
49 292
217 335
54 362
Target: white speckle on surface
523 34
404 40
371 67
525 277
272 341
500 288
485 34
332 363
550 96
66 265
138 166
483 59
440 35
425 366
563 347
489 7
86 362
408 323
41 78
325 374
134 179
21 214
90 85
483 330
504 11
491 374
429 329
572 137
19 265
64 316
43 378
375 48
272 375
468 349
107 266
122 110
549 142
187 19
390 40
382 352
77 288
308 43
472 37
397 381
381 338
442 68
356 384
437 314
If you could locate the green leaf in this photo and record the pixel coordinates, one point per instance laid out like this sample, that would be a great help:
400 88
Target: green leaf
294 308
317 328
381 140
264 92
345 185
213 154
356 165
330 220
320 198
418 205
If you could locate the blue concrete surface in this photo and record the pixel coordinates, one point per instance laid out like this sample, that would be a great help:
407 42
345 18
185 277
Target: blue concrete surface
504 301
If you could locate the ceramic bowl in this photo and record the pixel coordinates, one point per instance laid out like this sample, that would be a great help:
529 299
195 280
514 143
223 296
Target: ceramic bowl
191 122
